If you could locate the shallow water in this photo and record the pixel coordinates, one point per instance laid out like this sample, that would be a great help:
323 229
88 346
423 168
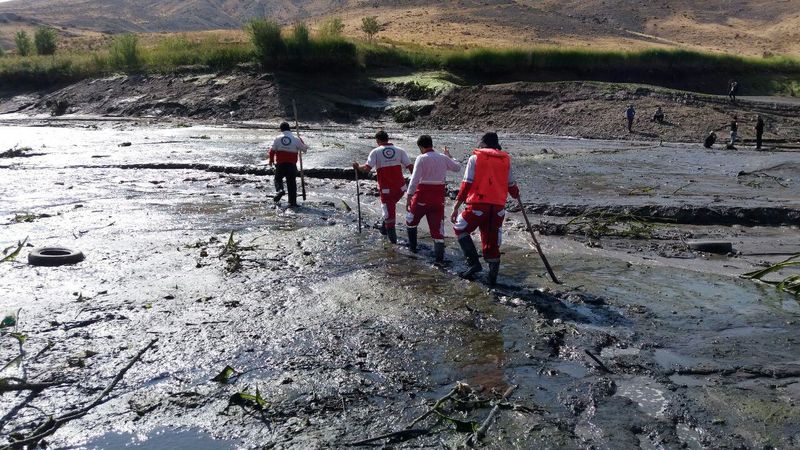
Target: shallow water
345 335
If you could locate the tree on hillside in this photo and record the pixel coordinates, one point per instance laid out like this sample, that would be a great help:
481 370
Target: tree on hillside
45 40
370 26
333 27
2 52
23 42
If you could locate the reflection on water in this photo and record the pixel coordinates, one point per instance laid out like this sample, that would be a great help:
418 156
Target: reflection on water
160 439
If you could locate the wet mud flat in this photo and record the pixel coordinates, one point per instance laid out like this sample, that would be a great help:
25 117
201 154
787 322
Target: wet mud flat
334 338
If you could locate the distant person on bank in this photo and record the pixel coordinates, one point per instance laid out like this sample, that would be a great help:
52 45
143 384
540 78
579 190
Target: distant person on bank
759 131
733 89
283 155
630 114
711 139
659 115
734 132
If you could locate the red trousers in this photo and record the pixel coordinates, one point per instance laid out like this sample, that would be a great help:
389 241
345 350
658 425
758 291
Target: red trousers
389 199
428 202
489 219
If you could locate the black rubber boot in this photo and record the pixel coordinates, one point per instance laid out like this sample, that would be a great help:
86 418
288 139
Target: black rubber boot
392 233
438 251
382 228
412 239
494 269
277 196
471 254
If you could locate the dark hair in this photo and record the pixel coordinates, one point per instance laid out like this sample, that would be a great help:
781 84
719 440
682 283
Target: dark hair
285 126
382 136
425 141
490 140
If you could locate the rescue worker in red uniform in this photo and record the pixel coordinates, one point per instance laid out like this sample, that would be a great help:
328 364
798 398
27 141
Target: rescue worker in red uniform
426 192
488 180
284 152
388 161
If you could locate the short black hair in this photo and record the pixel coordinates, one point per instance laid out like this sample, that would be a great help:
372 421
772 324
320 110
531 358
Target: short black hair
490 140
382 136
425 141
285 126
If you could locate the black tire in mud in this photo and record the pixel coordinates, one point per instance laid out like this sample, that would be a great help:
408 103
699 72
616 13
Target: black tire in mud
54 256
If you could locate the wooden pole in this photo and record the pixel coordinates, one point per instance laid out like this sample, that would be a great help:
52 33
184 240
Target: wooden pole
536 244
299 154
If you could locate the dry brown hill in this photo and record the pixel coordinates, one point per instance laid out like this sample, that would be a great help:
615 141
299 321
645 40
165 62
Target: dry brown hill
750 27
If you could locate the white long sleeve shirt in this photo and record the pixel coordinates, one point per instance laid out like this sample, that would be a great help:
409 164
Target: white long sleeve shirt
431 168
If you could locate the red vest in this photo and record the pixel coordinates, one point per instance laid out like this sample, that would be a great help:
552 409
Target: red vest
491 177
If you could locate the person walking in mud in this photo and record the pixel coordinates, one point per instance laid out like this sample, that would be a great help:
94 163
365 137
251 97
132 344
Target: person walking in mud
630 114
488 180
734 133
283 156
426 194
388 161
759 131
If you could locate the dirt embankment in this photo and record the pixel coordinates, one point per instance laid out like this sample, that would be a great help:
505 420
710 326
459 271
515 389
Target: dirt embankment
597 110
581 109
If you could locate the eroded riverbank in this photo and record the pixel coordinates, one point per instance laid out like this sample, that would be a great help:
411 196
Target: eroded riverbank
346 338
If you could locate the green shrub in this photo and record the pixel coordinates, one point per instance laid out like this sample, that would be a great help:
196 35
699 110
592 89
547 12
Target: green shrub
370 26
267 41
333 27
2 52
45 40
23 43
124 53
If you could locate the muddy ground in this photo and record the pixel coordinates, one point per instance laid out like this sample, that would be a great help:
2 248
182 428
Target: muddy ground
344 337
439 101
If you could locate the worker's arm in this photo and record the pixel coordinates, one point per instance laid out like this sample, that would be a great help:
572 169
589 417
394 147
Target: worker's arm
367 167
272 156
412 185
513 189
452 164
406 162
466 185
301 146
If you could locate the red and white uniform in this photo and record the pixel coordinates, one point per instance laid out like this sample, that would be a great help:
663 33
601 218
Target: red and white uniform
487 183
427 190
285 148
389 162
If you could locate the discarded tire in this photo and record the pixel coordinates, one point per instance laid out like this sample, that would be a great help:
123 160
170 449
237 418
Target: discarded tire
719 247
54 256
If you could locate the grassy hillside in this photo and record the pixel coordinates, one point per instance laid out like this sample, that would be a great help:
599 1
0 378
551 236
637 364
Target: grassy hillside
213 51
749 27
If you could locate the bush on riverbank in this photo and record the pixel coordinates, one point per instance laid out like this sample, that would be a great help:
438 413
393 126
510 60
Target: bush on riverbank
299 50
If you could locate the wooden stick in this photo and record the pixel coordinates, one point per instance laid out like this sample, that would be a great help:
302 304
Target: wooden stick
481 431
599 363
358 201
53 424
299 154
536 243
